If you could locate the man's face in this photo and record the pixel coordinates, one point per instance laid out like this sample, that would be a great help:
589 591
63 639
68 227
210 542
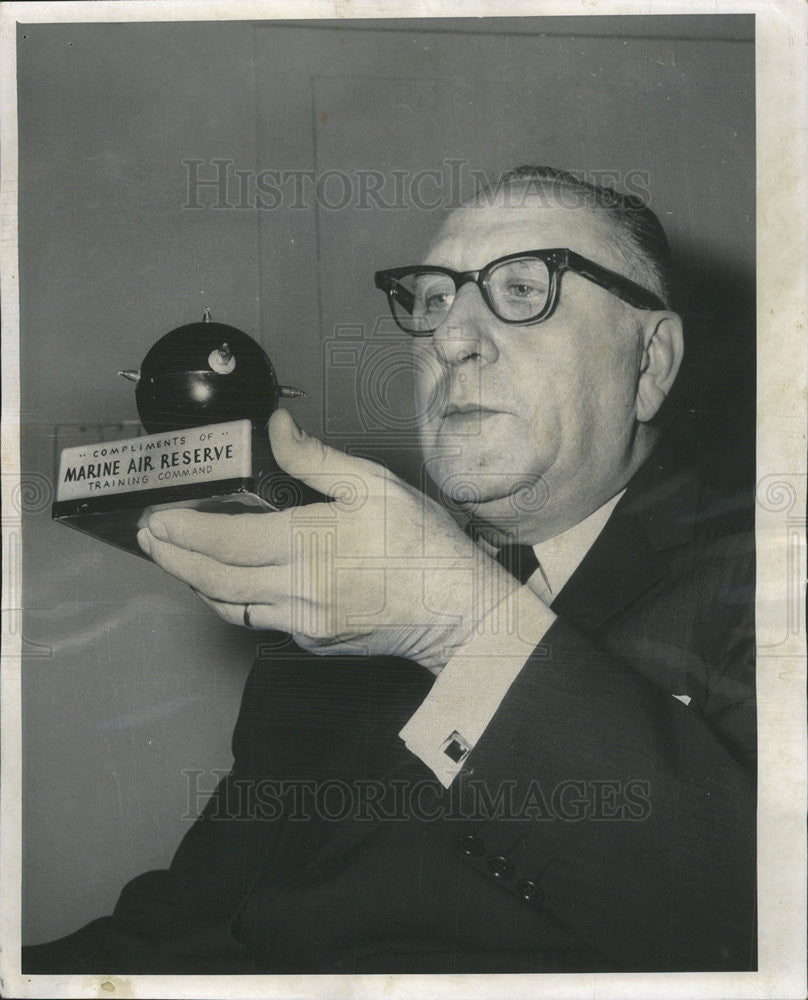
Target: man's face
553 404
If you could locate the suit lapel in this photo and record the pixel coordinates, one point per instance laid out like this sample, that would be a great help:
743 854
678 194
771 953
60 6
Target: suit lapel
629 555
620 566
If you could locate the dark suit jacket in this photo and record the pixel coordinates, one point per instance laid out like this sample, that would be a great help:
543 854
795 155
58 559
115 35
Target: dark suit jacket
600 823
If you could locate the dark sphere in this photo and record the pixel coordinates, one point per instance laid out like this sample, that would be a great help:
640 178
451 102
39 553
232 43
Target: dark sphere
205 373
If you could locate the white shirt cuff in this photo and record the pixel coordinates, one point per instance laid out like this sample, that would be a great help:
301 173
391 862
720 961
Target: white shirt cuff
470 688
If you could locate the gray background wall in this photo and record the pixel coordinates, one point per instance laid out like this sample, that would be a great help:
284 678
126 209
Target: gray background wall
128 681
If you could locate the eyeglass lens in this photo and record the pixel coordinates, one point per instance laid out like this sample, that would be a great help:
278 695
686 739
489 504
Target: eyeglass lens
517 291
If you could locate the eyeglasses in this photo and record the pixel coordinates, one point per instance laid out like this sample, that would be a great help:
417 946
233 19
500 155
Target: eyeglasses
520 288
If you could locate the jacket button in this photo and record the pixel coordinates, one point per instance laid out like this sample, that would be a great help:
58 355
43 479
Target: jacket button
529 891
472 846
500 867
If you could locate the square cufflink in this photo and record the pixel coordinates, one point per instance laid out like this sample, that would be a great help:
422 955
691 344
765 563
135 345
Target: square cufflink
456 748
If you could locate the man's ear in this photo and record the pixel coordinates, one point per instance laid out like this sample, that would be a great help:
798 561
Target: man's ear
662 354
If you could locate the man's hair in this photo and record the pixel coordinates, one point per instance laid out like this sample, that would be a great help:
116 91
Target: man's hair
641 240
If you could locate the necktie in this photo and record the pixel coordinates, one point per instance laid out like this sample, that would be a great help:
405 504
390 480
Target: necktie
519 560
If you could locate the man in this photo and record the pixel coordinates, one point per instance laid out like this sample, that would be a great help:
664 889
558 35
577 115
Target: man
565 704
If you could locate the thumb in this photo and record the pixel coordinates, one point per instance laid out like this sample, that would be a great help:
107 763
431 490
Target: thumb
306 458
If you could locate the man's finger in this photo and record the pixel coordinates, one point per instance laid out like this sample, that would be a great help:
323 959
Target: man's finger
332 472
234 539
232 584
261 616
232 613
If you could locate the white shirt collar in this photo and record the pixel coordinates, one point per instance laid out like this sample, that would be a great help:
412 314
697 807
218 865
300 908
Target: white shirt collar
560 556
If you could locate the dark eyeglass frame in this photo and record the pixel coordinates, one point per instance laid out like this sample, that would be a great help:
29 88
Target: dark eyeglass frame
558 261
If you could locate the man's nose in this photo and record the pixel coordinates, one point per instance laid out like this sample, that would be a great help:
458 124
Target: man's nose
467 332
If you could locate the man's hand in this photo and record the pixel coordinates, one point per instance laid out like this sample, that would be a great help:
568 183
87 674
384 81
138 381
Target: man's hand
382 569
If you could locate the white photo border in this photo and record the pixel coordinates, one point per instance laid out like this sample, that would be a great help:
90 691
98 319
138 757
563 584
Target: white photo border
782 225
